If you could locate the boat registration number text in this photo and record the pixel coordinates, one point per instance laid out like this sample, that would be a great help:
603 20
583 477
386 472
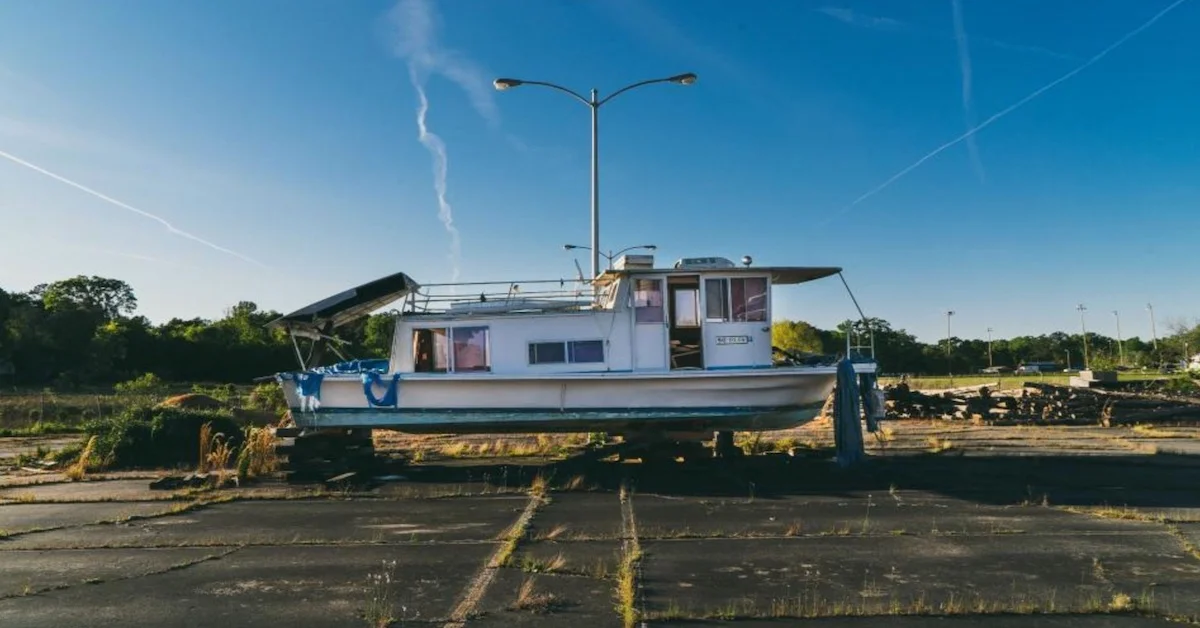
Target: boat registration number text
733 340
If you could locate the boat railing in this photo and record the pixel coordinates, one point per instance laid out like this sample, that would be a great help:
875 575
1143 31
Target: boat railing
504 296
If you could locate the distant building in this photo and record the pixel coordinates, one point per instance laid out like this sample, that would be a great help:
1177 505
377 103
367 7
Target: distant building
1194 363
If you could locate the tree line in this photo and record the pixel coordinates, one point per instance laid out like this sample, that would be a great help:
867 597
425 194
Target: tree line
84 331
900 352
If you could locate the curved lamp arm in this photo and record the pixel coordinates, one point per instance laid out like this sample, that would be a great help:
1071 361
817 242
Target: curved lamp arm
682 79
503 83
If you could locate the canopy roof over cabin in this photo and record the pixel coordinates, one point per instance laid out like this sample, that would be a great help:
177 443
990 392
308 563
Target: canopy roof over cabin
346 307
780 275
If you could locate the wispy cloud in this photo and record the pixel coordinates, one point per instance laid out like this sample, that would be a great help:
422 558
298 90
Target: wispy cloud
417 24
112 201
862 20
648 23
881 23
1007 110
964 62
416 41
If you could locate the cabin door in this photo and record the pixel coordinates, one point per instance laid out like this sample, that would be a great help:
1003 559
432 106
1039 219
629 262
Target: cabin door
649 324
684 334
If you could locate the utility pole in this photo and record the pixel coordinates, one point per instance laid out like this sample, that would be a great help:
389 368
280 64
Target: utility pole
1120 343
949 364
1082 324
1153 331
990 347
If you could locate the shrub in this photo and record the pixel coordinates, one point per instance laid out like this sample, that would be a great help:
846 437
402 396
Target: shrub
221 392
158 437
147 384
269 397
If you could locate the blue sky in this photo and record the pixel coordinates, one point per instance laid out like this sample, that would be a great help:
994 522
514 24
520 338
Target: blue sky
286 132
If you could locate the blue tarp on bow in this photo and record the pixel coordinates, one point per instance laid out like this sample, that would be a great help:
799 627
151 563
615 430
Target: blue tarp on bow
390 398
309 384
354 367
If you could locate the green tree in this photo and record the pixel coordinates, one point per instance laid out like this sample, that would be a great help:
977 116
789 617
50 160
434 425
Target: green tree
110 297
796 336
377 338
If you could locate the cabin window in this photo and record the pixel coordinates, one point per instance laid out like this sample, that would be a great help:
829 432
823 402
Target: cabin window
574 351
687 307
582 351
470 348
547 353
749 299
648 300
716 300
431 351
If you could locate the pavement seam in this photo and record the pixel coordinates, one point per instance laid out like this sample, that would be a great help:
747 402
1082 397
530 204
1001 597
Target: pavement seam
631 549
174 510
483 579
157 572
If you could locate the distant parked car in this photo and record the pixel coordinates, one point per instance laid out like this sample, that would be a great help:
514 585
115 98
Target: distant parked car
996 370
1037 367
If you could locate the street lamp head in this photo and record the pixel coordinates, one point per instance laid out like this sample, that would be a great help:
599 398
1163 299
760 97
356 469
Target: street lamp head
568 247
506 83
650 247
683 79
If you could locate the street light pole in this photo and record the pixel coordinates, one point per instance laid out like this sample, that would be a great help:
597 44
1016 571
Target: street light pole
1082 324
1153 331
990 347
610 256
1120 343
594 103
949 363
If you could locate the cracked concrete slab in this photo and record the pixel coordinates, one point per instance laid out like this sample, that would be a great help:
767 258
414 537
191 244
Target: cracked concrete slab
301 521
309 586
27 572
17 518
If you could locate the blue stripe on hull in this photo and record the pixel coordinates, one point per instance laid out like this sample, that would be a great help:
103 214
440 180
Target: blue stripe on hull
468 421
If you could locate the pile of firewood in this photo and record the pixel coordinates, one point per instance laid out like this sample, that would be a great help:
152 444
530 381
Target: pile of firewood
1042 404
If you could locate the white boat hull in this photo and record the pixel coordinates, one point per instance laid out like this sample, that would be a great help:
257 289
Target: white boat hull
674 401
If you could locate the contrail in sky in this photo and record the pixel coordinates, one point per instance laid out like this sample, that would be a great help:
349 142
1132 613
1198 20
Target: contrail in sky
108 199
1013 107
417 42
964 62
438 149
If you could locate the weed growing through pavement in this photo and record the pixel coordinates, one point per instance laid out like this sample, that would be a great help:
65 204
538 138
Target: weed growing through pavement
381 607
530 600
78 470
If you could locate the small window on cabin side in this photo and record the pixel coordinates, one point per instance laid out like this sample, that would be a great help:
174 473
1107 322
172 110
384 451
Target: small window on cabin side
749 297
716 300
586 351
547 353
648 300
470 348
431 351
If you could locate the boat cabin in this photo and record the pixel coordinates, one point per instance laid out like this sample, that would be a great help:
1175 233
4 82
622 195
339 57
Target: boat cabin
700 314
705 313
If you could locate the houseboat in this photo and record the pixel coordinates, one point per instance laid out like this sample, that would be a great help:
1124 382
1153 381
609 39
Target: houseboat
639 350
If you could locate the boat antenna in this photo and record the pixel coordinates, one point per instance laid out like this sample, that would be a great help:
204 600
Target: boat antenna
577 268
